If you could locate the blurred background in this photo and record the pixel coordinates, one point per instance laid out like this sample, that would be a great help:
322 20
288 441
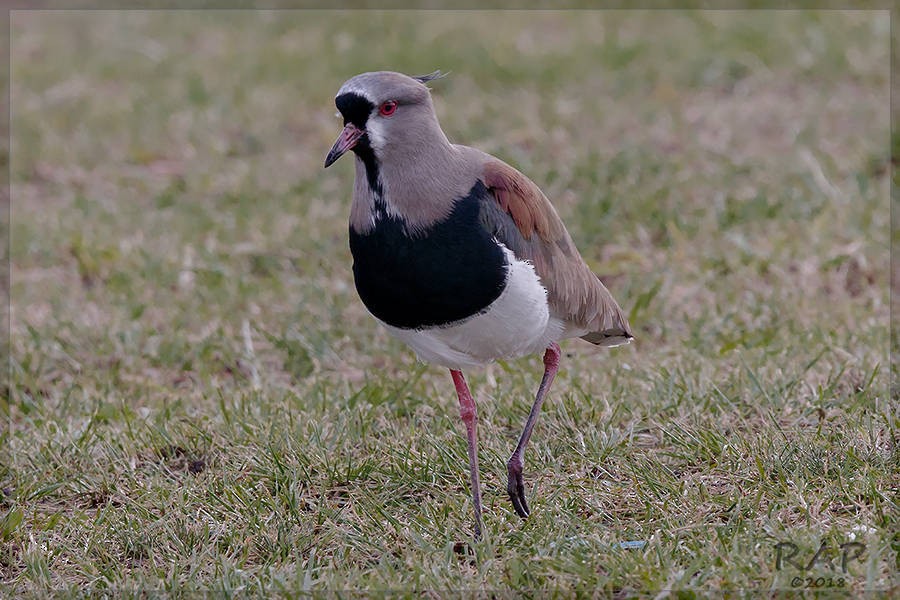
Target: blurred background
705 160
179 254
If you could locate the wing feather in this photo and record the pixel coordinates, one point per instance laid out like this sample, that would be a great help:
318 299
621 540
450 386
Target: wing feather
522 218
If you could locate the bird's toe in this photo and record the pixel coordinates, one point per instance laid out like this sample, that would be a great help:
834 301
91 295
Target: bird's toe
516 490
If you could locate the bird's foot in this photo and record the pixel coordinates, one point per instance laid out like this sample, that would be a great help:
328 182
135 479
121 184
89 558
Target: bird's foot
515 487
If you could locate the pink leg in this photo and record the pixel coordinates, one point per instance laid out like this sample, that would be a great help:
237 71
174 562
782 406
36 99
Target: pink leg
469 417
516 484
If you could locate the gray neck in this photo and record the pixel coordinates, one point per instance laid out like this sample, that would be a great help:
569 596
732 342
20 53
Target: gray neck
420 181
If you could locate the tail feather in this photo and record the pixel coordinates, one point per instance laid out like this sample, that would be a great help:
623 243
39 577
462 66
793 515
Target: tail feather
608 338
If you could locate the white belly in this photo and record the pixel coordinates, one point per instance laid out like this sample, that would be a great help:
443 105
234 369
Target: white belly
517 323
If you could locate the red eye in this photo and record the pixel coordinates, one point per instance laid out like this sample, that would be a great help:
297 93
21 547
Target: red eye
388 108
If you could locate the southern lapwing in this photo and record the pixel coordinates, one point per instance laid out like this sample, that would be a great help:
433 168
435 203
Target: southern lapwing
458 254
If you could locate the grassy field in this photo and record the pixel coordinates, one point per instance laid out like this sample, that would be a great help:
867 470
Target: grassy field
199 401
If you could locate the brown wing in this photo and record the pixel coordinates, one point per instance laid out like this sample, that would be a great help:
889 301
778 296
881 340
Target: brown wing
525 221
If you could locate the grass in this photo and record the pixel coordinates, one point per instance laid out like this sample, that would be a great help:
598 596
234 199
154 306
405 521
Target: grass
199 401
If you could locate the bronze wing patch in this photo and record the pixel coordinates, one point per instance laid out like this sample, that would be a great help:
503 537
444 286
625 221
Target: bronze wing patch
524 220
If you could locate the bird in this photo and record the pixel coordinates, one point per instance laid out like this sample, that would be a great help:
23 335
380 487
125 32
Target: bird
460 255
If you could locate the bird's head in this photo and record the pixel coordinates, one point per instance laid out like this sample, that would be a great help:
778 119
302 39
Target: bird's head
383 109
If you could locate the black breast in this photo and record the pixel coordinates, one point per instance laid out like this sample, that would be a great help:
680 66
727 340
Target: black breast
451 271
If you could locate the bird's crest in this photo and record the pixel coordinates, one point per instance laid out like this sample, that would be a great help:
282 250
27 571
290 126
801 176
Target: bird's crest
430 77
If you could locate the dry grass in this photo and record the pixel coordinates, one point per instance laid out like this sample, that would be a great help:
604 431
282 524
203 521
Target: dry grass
200 401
